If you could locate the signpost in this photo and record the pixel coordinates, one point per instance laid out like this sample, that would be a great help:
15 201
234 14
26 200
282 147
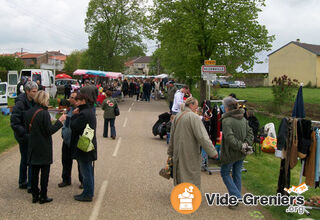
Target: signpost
209 71
209 62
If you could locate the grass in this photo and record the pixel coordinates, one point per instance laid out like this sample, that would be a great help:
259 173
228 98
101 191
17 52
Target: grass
6 134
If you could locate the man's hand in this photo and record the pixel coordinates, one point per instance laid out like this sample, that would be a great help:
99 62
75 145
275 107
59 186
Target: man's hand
76 111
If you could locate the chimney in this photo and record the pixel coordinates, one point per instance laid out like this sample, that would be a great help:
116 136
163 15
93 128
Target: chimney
298 40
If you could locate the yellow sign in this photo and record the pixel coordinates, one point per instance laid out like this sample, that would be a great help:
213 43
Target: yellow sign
186 198
209 62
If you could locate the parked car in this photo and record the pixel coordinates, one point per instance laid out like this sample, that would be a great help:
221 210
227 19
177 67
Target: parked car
222 83
237 84
60 83
179 85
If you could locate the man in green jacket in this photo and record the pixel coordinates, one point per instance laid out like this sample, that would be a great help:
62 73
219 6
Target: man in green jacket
237 137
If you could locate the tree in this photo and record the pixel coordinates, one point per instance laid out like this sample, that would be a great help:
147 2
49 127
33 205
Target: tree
72 62
115 28
11 63
191 31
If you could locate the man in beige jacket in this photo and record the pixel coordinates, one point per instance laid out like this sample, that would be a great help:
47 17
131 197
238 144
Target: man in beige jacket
187 135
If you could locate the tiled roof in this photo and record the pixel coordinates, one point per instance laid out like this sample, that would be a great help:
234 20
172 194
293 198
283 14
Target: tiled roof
145 59
313 48
32 55
62 58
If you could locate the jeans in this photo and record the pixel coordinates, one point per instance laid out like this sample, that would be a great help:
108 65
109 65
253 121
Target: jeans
233 183
146 96
67 164
44 179
106 125
86 168
25 169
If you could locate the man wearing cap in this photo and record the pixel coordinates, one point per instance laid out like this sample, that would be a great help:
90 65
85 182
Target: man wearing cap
171 91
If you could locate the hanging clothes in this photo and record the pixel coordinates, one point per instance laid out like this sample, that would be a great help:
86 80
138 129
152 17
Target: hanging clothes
213 126
284 175
304 137
294 146
309 169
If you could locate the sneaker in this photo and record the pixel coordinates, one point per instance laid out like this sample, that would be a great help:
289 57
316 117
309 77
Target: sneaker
63 184
81 186
113 137
233 207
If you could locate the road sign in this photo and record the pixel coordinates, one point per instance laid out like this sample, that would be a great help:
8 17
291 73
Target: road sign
214 69
207 76
209 62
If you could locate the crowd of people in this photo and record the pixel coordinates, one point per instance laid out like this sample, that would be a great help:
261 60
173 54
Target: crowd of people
188 136
31 123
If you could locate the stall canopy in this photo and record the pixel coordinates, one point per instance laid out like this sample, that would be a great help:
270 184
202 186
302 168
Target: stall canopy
63 76
113 75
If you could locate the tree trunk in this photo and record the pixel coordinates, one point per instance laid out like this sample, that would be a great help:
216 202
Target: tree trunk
203 91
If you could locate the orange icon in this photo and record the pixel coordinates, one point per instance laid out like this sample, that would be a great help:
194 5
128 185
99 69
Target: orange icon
186 198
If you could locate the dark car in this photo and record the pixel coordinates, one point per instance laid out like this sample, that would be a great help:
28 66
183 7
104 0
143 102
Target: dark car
221 83
60 83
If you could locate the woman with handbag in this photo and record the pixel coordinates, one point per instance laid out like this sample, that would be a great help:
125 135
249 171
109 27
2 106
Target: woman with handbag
237 139
83 117
111 110
40 144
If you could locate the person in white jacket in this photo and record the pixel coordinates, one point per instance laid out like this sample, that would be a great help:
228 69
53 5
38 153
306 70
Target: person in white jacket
178 99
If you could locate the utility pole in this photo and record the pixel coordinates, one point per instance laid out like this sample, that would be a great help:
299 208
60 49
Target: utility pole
21 52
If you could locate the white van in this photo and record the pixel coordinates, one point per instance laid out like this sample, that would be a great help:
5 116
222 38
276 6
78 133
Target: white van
3 95
12 83
46 78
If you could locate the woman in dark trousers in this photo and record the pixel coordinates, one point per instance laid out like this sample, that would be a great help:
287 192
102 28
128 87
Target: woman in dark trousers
108 106
82 116
40 144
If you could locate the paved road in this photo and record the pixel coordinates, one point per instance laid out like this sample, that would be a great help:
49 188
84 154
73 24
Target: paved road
127 184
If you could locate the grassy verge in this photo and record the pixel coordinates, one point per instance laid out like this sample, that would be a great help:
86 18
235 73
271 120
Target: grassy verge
6 134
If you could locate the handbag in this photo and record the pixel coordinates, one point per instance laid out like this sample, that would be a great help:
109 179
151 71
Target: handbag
116 111
33 116
166 172
85 141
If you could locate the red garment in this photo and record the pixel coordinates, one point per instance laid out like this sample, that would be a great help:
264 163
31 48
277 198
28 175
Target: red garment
100 98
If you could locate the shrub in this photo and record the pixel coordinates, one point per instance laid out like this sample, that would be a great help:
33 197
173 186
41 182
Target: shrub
283 90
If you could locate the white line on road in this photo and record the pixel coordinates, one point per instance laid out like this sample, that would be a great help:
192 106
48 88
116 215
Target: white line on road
117 148
95 212
125 122
132 104
129 109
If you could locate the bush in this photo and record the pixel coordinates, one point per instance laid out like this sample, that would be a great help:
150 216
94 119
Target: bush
283 90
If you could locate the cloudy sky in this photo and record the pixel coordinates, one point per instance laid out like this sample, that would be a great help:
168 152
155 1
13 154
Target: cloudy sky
40 25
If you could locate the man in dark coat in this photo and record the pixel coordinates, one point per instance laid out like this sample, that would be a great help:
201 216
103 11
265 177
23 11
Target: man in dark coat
147 90
66 146
92 93
82 116
67 90
23 103
125 87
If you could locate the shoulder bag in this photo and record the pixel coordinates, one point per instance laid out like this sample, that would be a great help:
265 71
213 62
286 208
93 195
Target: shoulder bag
85 141
34 115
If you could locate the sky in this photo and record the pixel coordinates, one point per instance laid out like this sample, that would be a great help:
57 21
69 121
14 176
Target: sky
41 25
